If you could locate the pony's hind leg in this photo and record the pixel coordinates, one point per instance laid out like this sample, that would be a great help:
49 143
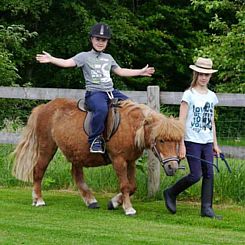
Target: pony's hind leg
84 190
44 158
131 177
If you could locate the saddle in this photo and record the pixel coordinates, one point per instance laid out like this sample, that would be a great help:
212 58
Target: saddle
112 121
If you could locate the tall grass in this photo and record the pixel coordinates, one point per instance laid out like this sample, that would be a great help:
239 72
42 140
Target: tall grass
228 187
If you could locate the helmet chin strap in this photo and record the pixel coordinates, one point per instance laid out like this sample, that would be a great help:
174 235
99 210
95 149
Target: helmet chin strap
97 50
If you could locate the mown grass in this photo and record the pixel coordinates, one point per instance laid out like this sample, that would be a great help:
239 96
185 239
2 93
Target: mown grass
66 220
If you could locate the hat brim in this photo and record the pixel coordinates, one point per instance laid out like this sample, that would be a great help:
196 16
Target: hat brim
202 70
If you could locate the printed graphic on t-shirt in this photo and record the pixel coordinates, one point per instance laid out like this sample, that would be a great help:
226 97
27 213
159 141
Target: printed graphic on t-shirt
202 117
100 71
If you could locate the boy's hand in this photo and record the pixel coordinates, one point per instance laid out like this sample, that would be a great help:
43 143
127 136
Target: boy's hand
147 71
44 58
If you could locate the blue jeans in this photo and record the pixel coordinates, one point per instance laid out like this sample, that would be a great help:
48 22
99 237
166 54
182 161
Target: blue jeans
198 168
98 102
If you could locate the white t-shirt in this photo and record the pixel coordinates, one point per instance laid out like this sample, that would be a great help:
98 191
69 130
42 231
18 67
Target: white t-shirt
199 117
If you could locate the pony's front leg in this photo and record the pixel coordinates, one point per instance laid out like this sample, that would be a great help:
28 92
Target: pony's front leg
85 192
121 168
117 200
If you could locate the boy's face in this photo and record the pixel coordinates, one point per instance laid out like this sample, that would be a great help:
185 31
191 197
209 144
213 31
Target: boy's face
99 44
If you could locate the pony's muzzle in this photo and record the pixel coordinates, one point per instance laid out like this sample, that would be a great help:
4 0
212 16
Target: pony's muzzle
169 169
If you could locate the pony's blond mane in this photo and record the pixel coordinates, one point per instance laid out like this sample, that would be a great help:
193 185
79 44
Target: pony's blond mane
167 128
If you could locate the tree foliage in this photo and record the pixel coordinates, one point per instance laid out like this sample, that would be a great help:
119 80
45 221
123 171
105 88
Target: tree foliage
12 52
227 42
165 34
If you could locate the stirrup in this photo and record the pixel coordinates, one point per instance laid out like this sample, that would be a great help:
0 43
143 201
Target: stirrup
98 145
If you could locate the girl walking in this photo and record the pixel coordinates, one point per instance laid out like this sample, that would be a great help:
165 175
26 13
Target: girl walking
200 142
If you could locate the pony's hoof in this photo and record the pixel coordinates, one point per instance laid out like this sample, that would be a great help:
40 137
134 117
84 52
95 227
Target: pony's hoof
110 205
93 205
130 212
40 203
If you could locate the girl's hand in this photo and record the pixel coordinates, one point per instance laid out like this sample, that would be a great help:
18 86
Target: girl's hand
217 150
182 151
44 58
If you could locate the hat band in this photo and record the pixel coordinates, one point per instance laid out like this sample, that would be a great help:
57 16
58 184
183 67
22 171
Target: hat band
203 67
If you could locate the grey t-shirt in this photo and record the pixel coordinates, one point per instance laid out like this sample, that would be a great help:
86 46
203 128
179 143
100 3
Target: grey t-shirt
96 68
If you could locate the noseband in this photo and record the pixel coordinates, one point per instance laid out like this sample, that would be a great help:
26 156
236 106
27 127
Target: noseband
166 160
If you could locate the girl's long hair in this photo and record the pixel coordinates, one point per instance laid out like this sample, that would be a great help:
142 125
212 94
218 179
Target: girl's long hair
194 79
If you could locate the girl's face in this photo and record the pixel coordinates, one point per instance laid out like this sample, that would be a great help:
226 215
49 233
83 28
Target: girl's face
99 44
203 79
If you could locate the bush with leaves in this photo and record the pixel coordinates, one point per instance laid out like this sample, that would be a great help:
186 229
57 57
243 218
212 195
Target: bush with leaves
12 52
226 43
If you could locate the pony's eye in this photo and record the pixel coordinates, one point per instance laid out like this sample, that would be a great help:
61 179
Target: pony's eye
161 141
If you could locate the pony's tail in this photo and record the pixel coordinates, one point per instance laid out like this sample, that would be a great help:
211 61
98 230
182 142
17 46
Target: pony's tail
26 152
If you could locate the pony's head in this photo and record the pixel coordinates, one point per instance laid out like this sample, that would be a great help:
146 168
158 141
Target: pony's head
162 135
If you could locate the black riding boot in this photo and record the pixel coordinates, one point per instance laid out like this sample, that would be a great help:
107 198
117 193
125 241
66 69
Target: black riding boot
171 193
207 199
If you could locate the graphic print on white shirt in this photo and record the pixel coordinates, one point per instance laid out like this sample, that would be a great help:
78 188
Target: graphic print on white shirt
202 117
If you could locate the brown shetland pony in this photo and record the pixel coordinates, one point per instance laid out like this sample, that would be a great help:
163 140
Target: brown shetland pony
59 123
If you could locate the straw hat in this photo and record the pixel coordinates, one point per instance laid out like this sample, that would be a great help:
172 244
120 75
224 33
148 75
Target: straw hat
203 65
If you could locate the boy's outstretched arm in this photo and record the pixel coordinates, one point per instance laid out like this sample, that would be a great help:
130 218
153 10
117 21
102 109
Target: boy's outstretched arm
48 58
124 72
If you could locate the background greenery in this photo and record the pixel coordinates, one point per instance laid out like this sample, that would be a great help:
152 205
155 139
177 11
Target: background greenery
168 35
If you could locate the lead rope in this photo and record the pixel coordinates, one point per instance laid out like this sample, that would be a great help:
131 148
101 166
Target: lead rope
222 157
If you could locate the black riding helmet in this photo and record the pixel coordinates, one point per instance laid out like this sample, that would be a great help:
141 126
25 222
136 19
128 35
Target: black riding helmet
100 30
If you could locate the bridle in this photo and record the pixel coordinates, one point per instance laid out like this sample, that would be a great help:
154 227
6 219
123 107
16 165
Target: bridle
164 161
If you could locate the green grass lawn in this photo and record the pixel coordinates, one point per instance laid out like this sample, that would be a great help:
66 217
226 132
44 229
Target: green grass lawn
66 220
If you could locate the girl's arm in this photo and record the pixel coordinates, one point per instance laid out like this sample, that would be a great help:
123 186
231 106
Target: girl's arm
48 58
216 148
182 117
124 72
